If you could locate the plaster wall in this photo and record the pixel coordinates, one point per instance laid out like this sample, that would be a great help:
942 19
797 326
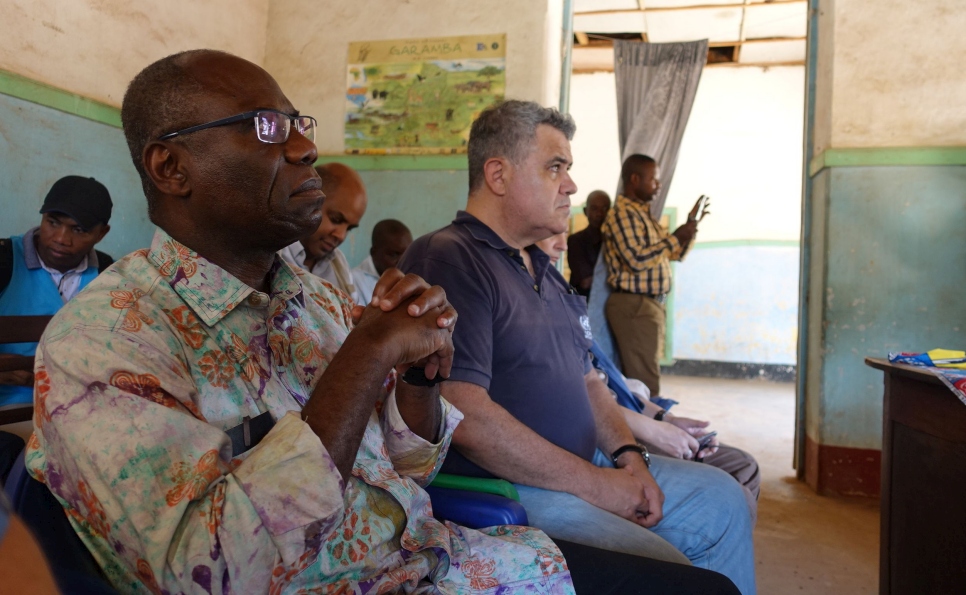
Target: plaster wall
56 144
95 47
893 266
737 304
895 79
825 67
308 43
423 200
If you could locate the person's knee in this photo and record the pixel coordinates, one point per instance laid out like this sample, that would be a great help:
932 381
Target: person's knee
726 494
708 492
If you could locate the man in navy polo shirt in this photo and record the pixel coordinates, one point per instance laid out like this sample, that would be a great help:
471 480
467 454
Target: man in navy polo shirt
535 413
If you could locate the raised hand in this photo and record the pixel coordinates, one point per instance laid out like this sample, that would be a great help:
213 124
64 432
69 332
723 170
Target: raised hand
686 232
696 215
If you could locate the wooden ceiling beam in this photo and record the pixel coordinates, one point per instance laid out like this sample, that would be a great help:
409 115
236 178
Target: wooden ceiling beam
691 7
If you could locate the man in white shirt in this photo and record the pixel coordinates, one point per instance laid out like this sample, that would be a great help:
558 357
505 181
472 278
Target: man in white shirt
390 238
345 204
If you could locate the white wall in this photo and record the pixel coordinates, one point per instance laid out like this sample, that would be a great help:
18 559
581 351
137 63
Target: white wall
742 147
95 47
308 42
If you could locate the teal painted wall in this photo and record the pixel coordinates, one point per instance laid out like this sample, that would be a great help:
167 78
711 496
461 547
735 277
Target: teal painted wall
39 145
895 259
737 303
423 200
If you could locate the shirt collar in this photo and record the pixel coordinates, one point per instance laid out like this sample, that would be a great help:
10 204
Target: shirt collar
209 290
32 257
645 207
482 233
369 267
297 252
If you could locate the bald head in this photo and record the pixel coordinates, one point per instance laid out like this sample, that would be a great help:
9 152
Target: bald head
219 188
390 238
598 203
161 98
345 204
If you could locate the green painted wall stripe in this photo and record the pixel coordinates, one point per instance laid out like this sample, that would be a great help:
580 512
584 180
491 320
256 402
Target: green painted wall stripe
887 156
58 99
398 162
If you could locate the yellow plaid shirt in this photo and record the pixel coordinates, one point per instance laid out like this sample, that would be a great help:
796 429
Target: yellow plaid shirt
637 251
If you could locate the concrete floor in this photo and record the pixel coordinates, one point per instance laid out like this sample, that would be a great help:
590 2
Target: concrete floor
804 543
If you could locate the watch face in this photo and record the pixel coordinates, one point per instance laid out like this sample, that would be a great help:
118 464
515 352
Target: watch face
646 455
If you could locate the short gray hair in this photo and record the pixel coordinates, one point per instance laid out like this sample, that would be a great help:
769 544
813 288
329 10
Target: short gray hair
507 129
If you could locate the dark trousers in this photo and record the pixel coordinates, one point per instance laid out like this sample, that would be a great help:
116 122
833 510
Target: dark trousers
599 572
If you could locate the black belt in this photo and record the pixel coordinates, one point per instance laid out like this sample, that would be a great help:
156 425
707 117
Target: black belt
659 298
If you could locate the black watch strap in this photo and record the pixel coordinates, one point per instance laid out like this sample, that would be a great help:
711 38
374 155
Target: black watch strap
417 377
638 448
659 416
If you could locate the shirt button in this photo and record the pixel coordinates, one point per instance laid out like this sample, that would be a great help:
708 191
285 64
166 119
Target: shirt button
255 299
536 288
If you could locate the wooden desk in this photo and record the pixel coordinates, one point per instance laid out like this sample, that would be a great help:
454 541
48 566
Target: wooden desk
923 541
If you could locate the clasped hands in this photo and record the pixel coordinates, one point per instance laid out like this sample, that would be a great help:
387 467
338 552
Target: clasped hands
418 334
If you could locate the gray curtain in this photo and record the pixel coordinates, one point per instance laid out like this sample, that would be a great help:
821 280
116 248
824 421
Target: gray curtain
656 85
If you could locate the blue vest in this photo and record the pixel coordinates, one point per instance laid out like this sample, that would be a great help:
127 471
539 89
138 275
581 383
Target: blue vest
30 293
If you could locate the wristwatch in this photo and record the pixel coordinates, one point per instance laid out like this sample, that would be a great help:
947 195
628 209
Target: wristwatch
417 377
659 416
638 448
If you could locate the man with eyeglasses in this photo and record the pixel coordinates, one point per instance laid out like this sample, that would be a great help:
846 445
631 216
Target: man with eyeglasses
344 206
214 420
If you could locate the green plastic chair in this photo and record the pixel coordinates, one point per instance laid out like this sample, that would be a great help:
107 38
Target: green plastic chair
500 487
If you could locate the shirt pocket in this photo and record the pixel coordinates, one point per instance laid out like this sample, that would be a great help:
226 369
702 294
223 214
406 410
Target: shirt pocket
575 308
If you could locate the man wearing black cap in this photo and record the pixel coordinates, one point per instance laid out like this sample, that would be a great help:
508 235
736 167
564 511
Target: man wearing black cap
48 265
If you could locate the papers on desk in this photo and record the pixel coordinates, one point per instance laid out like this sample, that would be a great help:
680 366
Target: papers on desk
947 364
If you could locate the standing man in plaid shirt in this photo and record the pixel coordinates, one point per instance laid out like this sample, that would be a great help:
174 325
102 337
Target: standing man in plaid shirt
638 254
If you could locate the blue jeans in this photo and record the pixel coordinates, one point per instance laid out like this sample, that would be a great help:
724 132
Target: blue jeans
705 518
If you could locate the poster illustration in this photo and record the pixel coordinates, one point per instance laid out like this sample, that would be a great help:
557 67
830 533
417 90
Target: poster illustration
420 96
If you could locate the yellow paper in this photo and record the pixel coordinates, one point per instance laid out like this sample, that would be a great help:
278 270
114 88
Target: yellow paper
938 355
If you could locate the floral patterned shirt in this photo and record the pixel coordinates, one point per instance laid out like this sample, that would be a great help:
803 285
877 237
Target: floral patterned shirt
139 377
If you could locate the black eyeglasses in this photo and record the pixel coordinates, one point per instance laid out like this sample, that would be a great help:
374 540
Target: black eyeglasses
271 126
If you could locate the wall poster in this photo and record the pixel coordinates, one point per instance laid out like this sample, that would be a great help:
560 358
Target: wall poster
420 96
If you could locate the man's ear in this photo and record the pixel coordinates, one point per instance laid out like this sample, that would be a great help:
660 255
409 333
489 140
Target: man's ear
103 232
495 174
165 164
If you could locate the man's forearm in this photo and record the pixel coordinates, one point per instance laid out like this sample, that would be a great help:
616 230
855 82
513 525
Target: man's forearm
344 398
420 408
612 429
495 440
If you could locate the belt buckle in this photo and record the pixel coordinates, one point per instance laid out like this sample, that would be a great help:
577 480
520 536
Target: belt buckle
661 298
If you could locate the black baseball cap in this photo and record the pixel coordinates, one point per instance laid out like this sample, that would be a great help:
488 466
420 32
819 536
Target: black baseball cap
85 200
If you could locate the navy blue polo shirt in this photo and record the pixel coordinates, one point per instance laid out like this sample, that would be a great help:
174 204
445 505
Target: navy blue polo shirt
524 340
